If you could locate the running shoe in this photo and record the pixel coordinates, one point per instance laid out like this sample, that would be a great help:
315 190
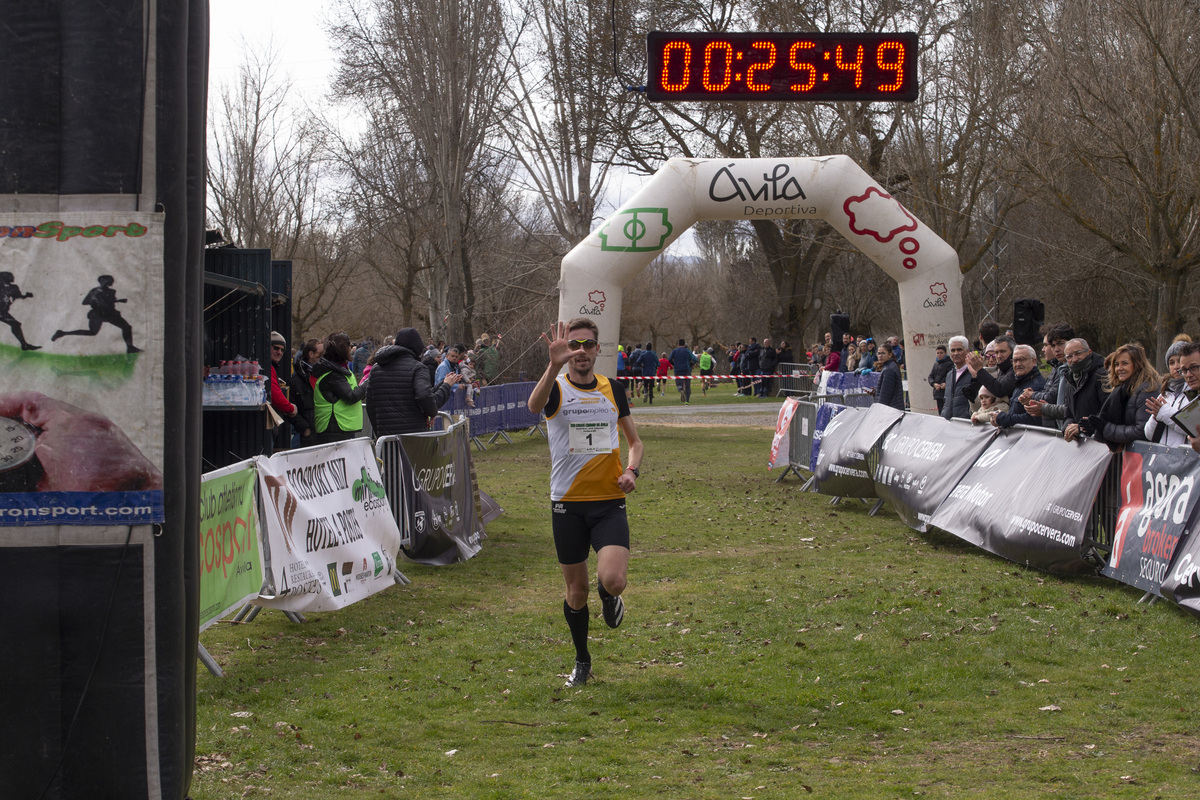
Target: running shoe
614 610
583 671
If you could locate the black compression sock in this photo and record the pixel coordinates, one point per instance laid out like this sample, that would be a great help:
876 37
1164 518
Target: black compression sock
577 621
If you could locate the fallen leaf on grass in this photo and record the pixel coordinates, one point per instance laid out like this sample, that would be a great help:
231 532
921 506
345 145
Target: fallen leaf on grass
1049 708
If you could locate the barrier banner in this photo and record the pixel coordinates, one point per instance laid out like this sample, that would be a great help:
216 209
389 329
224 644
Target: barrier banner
786 412
842 466
439 498
1181 584
330 535
81 368
1157 503
231 563
825 412
1027 498
921 461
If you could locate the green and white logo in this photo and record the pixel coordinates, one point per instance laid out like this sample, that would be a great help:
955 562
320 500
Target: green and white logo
636 230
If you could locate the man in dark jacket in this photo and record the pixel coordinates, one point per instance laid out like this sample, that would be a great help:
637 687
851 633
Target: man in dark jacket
937 376
1082 389
1002 385
1054 344
401 398
767 361
958 378
750 365
649 360
1025 376
682 360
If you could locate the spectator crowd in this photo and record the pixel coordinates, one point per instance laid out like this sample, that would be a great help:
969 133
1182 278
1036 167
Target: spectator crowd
335 386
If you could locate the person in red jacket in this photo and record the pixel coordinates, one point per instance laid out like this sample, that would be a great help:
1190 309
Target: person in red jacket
279 400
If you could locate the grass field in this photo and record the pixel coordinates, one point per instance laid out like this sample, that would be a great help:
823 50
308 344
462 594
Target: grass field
774 646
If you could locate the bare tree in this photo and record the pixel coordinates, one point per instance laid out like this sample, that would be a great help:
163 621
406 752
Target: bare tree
1113 141
562 98
263 161
437 67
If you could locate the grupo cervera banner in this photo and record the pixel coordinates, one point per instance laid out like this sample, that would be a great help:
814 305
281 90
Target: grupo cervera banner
1158 500
1027 499
825 412
331 536
842 466
921 460
231 564
1181 584
439 499
81 368
786 412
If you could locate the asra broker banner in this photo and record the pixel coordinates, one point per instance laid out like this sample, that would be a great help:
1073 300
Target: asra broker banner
331 536
1027 498
1158 501
921 460
231 564
81 368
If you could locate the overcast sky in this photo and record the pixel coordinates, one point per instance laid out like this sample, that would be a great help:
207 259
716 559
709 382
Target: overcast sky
295 28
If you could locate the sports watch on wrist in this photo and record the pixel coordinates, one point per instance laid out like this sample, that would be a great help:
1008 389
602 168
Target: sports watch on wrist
20 469
635 471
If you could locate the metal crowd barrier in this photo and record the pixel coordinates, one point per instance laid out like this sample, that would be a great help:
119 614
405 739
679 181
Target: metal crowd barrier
798 379
849 389
498 409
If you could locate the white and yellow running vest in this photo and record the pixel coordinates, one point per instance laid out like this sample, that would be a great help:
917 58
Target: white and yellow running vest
585 448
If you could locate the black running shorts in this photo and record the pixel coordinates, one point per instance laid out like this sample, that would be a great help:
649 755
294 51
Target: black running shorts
587 523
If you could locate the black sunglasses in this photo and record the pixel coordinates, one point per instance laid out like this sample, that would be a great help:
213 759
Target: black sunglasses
575 344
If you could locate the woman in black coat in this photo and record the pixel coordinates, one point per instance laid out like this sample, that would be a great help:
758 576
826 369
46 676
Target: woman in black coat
1131 381
890 389
402 398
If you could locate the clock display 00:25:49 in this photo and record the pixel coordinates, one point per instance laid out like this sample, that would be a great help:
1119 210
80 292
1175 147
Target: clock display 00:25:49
782 66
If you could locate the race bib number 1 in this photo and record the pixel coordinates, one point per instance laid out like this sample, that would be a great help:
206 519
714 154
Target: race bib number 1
590 438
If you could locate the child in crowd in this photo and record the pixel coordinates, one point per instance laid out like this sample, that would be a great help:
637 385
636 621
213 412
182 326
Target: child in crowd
989 407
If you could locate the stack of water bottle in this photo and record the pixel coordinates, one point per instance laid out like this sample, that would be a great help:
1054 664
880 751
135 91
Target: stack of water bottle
238 382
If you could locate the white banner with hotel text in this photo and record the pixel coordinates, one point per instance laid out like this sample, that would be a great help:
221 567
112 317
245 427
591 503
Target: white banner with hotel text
331 534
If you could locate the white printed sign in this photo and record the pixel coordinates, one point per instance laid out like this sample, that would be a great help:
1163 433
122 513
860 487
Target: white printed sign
331 534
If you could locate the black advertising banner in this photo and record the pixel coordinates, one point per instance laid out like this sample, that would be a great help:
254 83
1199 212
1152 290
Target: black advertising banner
921 460
1157 503
1027 498
439 498
842 468
1181 584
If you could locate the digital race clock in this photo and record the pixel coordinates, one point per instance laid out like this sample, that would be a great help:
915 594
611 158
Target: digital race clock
782 66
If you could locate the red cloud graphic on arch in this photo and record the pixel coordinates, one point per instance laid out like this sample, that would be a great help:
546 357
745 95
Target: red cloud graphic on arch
939 289
875 213
596 297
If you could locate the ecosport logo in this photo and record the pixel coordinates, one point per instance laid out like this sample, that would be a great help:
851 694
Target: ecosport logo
368 491
636 230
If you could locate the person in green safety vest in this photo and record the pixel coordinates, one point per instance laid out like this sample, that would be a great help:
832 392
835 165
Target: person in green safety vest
707 362
337 394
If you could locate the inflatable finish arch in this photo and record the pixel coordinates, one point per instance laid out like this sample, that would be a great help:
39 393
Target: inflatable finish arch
832 188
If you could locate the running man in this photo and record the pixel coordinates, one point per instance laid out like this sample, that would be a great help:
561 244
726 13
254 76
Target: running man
9 292
103 300
587 484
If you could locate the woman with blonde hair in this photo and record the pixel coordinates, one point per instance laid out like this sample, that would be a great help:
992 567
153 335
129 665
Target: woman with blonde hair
1131 382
